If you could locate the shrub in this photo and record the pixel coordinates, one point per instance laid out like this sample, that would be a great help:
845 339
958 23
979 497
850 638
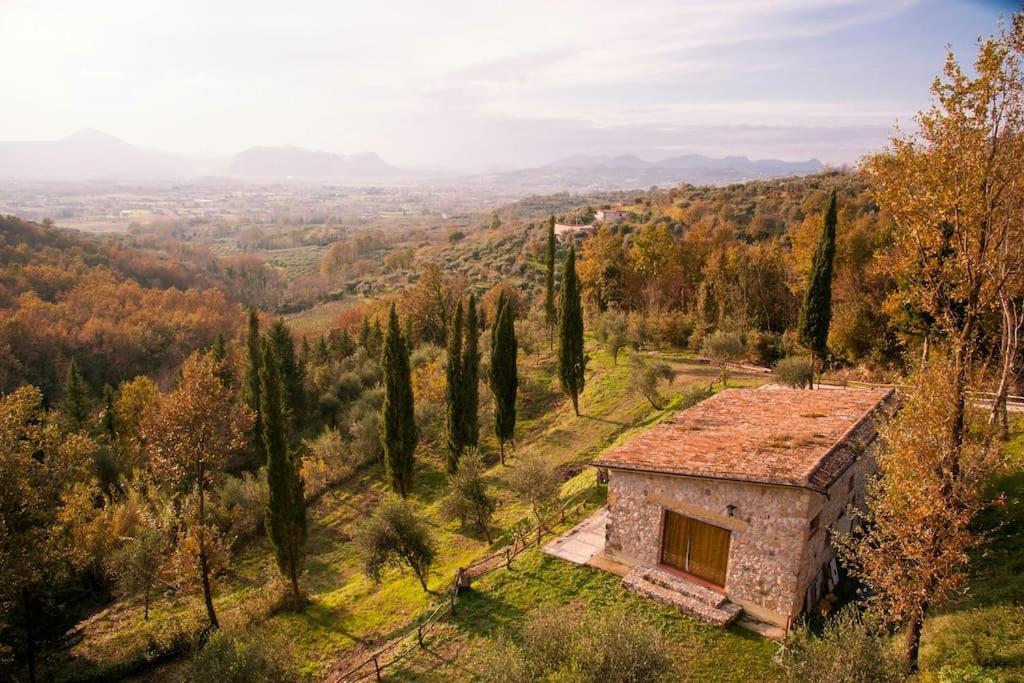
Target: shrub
329 460
794 372
241 504
612 330
765 348
693 395
348 386
228 659
723 348
366 437
395 536
425 354
671 328
644 377
639 331
537 484
852 648
605 646
469 500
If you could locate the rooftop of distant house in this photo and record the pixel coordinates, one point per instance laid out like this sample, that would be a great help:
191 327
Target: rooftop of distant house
771 435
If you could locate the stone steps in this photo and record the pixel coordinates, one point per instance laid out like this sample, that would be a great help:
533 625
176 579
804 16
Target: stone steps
692 598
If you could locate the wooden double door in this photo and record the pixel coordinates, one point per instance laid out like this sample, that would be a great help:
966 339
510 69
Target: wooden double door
695 547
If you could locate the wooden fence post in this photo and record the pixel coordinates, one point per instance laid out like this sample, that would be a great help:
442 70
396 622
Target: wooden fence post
376 666
508 557
419 635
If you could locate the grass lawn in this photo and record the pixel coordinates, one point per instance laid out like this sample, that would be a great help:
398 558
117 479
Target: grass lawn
348 614
501 600
981 638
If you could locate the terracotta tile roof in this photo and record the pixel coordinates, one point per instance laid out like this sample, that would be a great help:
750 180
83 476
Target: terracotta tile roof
772 435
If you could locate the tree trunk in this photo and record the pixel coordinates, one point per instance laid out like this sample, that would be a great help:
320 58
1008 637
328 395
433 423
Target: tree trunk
145 603
30 636
501 449
576 403
296 598
912 641
1009 344
204 565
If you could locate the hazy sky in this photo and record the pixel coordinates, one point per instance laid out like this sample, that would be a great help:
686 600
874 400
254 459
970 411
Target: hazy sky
477 82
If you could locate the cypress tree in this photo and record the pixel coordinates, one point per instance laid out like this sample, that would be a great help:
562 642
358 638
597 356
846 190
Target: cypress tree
572 362
375 340
293 375
454 391
365 335
286 507
252 378
321 353
471 377
816 311
504 379
550 311
76 397
398 421
220 356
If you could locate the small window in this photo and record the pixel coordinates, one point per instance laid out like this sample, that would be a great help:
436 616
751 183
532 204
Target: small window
849 486
812 528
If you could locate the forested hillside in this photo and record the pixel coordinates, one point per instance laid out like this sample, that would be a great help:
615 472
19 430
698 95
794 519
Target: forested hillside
120 308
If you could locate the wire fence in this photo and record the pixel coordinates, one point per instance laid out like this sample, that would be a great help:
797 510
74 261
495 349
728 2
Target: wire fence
373 665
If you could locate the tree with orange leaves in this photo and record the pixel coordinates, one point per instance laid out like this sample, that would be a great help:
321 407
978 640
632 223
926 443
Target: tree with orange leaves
189 435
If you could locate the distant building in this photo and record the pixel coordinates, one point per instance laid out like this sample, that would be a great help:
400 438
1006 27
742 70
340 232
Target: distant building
611 215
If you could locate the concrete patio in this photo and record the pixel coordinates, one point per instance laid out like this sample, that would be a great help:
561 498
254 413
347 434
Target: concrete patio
580 543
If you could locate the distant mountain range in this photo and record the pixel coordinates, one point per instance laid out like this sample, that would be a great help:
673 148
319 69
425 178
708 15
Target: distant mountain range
89 155
296 162
629 171
94 156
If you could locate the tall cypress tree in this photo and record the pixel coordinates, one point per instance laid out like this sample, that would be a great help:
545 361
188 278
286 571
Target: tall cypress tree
398 420
252 378
471 377
286 505
454 393
504 379
816 311
550 310
572 362
220 356
293 375
75 406
365 339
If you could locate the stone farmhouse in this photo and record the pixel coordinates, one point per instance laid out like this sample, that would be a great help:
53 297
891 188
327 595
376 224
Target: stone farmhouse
729 506
610 215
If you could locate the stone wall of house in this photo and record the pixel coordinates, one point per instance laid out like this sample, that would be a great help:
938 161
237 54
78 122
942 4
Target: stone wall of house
769 525
834 516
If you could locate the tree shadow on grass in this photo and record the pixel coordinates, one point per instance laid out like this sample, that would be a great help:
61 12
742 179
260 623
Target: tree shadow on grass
481 613
604 420
328 619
